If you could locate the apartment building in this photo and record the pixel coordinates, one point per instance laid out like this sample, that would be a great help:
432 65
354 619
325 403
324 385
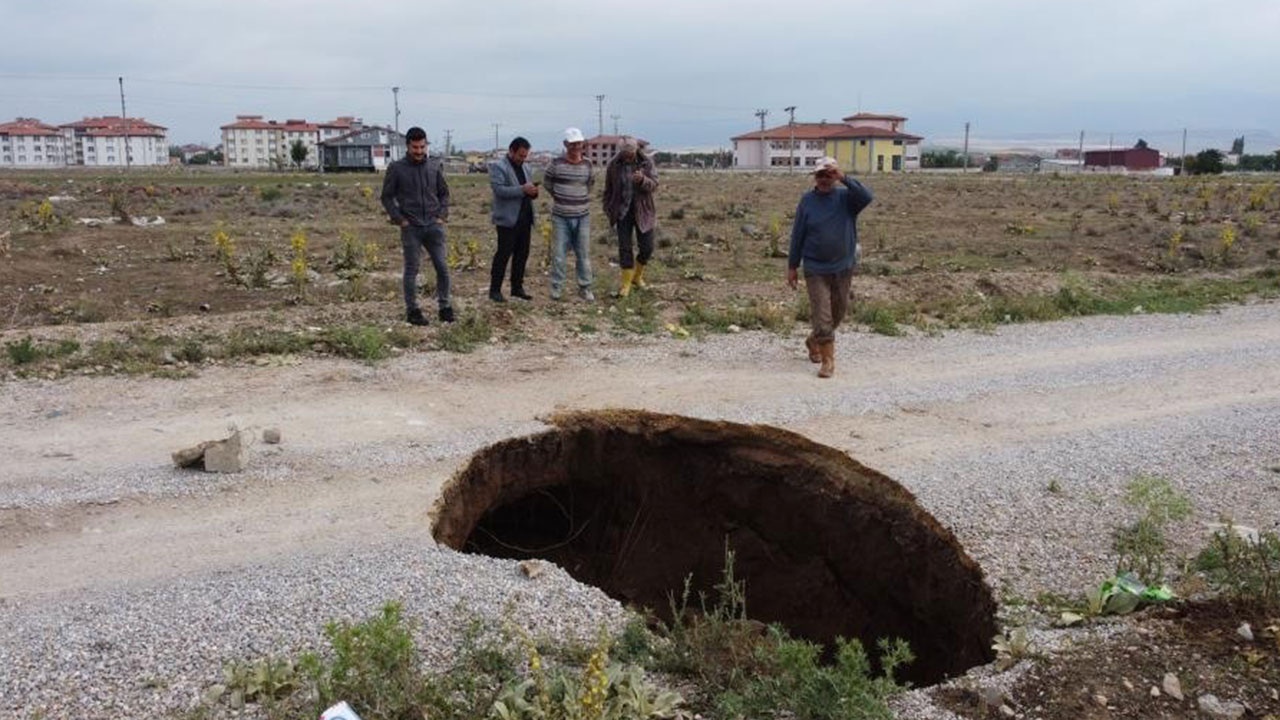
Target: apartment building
253 142
601 148
112 140
29 143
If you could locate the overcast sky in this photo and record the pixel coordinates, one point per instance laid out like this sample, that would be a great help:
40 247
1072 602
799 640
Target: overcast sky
682 73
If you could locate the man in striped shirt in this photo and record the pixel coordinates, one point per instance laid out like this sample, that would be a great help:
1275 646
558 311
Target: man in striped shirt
569 180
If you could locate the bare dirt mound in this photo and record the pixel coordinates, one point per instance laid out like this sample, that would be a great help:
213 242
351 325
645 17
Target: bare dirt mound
635 502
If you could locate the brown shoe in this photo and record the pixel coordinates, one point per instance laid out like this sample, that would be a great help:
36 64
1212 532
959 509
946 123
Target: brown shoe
827 351
812 346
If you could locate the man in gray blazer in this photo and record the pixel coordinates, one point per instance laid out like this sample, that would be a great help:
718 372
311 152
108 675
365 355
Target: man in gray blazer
513 194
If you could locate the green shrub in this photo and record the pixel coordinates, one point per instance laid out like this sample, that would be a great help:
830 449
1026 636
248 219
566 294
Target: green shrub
1246 569
879 318
755 315
745 670
1141 545
465 334
23 352
365 342
374 666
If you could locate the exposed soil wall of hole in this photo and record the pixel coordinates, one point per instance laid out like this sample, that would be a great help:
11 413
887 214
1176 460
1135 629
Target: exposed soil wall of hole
633 502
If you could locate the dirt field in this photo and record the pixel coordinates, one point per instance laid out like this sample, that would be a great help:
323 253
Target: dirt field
939 251
110 302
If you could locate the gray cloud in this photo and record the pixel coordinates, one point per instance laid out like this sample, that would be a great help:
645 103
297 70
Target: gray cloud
679 72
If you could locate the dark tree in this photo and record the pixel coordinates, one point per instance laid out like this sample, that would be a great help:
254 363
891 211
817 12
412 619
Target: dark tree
1142 144
1206 162
298 152
1237 146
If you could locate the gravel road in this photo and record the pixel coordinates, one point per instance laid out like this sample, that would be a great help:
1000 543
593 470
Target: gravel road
126 584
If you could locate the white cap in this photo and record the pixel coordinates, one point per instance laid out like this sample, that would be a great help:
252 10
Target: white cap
573 135
824 164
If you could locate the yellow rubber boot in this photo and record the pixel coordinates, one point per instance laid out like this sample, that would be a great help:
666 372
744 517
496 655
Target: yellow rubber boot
628 277
638 280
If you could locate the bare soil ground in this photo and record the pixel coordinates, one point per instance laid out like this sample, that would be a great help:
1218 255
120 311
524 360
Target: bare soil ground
367 447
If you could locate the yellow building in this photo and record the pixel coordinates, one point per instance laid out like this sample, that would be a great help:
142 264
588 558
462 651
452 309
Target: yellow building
861 143
874 143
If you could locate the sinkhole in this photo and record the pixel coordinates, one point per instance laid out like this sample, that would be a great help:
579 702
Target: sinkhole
634 502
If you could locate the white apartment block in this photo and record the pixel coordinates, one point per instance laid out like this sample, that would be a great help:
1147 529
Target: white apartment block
252 142
29 143
114 141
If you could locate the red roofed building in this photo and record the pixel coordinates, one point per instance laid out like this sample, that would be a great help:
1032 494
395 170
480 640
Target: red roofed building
865 142
27 142
342 125
601 148
252 142
112 140
1134 158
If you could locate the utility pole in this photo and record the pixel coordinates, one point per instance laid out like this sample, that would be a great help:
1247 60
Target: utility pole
1182 164
124 119
600 114
1111 141
761 113
615 123
396 100
1080 151
448 143
791 154
966 148
496 146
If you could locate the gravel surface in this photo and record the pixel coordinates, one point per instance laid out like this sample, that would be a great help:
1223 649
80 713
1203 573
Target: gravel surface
135 652
1038 428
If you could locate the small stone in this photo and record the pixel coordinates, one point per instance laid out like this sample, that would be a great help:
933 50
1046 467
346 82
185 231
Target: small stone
1211 706
1172 687
226 456
214 694
1007 711
531 568
992 696
1100 700
271 436
204 307
1155 691
1245 632
1127 685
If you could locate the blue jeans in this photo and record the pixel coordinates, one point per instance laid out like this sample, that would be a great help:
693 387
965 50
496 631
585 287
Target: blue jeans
413 239
570 232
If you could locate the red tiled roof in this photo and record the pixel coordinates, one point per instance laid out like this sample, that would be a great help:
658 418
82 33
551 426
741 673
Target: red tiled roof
825 131
249 122
871 116
342 121
131 130
28 126
613 139
136 126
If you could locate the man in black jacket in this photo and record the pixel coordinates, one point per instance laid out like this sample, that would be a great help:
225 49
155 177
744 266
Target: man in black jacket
416 198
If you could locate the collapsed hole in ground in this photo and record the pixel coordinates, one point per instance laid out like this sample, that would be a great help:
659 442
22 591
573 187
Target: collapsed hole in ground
634 502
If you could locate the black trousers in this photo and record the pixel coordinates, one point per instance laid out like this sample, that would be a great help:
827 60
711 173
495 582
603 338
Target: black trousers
627 226
513 245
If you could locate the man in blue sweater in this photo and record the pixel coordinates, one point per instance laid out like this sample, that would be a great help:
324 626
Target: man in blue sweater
824 238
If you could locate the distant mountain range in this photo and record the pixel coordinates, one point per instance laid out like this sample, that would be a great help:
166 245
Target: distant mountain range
1256 142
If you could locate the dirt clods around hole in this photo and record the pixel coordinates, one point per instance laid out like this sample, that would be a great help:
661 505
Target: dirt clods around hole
634 502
